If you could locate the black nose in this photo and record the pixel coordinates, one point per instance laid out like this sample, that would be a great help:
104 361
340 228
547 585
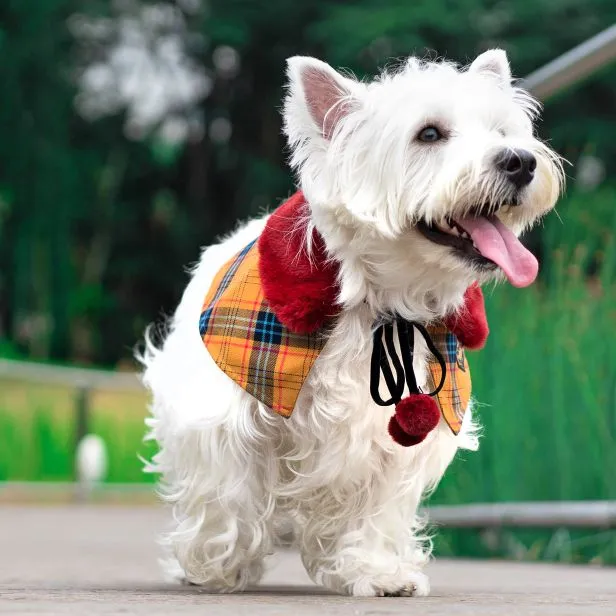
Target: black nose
518 165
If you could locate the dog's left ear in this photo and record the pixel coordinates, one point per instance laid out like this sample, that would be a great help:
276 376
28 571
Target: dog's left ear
318 97
493 63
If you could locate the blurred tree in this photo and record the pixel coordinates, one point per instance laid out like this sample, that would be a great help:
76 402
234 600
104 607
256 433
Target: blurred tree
40 172
136 132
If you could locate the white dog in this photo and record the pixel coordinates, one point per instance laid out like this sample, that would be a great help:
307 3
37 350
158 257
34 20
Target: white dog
417 184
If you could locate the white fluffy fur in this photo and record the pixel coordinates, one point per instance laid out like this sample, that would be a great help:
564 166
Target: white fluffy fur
235 472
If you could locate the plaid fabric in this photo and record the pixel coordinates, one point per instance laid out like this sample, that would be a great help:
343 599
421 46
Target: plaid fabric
456 392
271 363
248 342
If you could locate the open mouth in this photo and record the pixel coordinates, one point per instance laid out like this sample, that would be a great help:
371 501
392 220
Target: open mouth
485 242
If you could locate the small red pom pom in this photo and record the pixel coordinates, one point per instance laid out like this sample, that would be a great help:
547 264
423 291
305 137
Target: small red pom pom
401 437
417 414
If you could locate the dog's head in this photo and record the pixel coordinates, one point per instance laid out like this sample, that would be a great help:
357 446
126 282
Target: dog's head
422 178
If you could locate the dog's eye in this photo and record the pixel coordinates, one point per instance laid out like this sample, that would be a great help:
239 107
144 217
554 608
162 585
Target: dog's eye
430 134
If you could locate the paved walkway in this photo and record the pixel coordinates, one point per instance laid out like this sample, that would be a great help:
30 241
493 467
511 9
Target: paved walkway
102 560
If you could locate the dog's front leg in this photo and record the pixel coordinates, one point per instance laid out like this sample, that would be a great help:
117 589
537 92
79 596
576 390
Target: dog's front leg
360 545
361 535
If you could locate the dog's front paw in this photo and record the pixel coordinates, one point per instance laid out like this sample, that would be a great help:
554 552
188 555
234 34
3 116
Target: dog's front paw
412 584
410 590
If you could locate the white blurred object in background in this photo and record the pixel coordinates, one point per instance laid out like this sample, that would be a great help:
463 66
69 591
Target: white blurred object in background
91 463
590 172
141 61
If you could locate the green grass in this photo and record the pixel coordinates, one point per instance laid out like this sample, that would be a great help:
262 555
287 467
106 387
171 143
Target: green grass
546 388
38 440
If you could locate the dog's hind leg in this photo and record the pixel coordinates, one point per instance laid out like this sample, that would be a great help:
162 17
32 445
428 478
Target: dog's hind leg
217 479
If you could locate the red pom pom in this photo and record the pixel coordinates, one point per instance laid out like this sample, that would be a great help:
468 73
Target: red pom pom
417 414
470 324
401 437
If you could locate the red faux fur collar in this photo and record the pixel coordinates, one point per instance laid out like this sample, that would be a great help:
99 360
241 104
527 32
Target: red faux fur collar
302 289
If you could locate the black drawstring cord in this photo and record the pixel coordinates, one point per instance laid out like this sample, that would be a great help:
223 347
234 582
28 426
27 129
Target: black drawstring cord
403 369
379 363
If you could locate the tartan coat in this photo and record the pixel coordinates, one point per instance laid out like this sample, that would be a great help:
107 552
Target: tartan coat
271 362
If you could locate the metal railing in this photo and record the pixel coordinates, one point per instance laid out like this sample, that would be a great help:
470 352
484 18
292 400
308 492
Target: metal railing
83 382
586 514
574 66
569 514
596 515
75 378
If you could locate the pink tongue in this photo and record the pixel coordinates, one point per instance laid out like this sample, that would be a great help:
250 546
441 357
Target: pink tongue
497 243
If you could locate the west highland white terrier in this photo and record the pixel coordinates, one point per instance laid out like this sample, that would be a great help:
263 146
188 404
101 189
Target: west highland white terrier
274 389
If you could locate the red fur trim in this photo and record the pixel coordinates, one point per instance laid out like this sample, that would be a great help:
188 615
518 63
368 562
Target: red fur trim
418 414
401 437
470 324
301 289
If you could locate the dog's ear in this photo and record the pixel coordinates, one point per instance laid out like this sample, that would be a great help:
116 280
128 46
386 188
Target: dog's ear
318 96
493 63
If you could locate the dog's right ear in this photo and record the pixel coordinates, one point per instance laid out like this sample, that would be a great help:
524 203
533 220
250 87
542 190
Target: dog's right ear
318 98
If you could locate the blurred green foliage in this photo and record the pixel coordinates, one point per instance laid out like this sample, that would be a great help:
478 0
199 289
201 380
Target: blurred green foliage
95 228
546 391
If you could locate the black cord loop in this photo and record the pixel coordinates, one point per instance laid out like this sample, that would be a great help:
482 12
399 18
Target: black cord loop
403 368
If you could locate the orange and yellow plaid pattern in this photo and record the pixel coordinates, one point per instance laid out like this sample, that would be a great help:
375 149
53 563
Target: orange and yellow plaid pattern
455 394
248 342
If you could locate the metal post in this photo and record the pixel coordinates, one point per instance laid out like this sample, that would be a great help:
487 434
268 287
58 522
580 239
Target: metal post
82 416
